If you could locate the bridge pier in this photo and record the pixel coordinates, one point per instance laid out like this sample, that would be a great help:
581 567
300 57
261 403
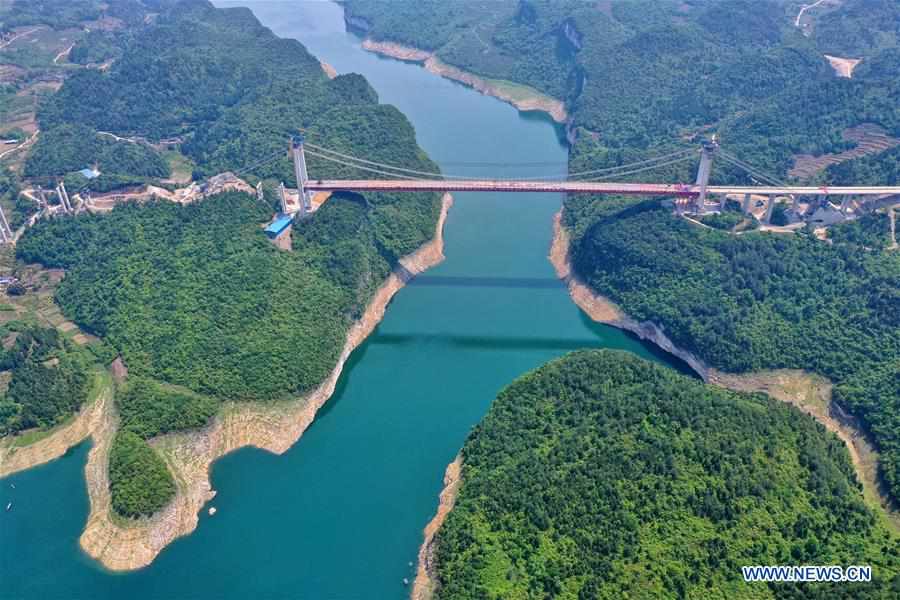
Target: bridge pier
63 197
6 234
770 208
845 204
745 207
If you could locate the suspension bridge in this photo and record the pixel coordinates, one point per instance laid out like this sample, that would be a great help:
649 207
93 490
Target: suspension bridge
697 197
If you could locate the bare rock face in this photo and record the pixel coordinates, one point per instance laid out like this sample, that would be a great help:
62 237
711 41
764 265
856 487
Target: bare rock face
397 51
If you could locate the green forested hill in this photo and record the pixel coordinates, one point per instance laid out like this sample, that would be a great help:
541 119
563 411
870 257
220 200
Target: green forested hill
200 305
858 29
197 296
647 73
70 148
756 301
226 86
604 476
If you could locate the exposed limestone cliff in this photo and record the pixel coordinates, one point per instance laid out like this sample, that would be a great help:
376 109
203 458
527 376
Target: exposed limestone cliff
330 72
275 427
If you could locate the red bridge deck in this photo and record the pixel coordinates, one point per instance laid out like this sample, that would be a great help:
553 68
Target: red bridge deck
576 187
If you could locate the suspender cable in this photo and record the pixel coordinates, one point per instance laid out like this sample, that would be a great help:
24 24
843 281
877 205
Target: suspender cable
641 170
612 171
735 161
362 168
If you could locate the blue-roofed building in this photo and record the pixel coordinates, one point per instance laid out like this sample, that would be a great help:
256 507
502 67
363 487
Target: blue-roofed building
277 227
90 173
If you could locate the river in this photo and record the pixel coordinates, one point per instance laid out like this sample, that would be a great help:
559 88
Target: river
340 515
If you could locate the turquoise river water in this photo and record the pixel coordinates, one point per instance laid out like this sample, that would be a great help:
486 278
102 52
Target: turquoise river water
340 515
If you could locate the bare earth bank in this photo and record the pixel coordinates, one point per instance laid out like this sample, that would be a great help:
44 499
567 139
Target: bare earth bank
532 101
122 545
330 72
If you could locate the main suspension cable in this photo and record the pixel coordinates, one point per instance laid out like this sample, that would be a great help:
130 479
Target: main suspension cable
641 170
680 153
362 168
615 171
735 161
260 163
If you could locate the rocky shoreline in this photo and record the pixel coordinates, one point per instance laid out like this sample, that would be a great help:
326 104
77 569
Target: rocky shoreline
122 545
424 584
535 101
603 310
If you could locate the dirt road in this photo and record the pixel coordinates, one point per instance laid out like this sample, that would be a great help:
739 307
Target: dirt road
805 8
18 36
62 54
24 144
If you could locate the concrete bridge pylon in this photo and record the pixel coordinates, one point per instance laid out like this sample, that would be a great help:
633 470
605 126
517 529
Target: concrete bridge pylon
302 175
707 152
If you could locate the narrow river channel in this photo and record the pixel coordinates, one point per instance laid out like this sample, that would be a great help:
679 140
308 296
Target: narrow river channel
340 515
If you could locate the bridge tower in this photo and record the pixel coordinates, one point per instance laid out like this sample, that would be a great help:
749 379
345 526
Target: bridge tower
300 172
63 197
707 151
6 234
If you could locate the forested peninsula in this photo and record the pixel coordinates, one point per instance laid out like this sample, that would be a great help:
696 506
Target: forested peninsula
601 475
220 331
756 301
646 76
